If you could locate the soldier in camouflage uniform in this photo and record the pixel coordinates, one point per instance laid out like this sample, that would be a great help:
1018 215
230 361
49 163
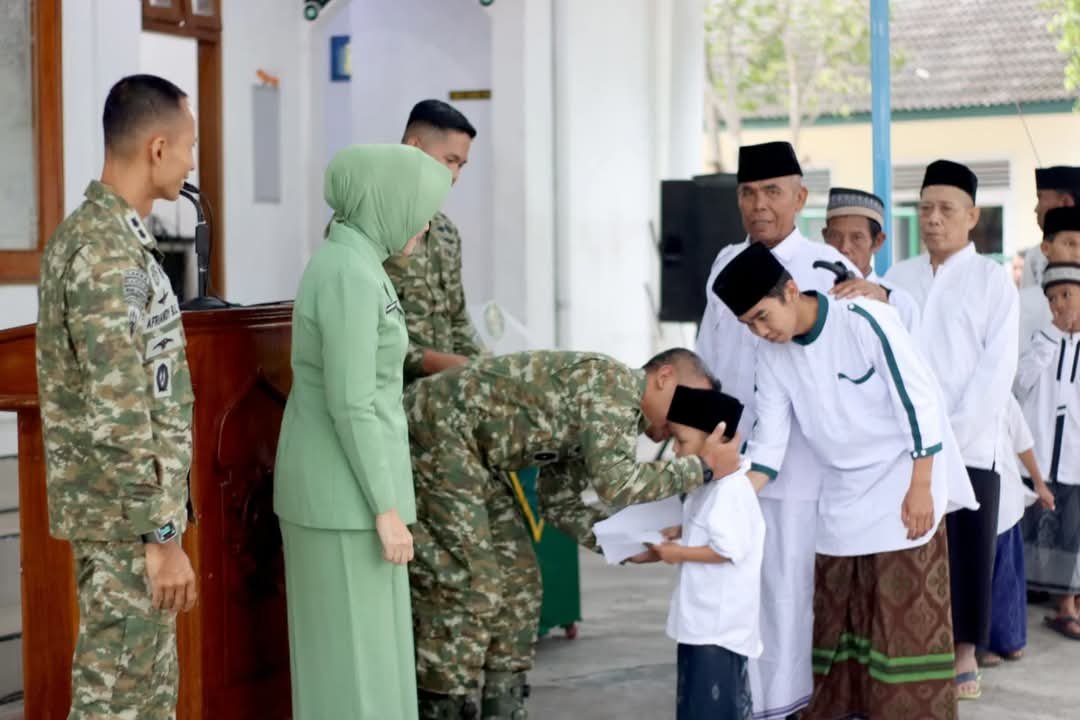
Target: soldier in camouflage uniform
577 416
441 336
116 403
428 282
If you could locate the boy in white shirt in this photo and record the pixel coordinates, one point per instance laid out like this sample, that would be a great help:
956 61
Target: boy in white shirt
850 375
1049 392
1008 605
715 606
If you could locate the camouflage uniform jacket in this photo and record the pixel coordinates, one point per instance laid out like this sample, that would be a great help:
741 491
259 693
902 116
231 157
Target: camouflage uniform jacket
113 379
428 284
576 415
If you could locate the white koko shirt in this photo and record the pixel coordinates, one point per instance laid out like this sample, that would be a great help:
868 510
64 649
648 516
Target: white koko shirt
1048 388
729 351
869 406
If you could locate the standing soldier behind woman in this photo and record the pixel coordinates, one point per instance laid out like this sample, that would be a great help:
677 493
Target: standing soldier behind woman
343 487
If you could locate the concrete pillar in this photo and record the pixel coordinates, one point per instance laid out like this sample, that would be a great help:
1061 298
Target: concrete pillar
523 139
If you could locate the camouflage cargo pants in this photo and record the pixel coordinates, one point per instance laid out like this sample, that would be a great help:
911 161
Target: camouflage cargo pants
125 665
474 580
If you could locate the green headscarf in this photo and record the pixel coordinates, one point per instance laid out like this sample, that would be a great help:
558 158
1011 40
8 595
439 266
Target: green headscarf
385 192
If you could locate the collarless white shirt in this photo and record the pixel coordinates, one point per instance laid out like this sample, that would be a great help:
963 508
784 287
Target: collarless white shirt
869 406
968 331
1048 388
729 351
718 603
1015 438
900 299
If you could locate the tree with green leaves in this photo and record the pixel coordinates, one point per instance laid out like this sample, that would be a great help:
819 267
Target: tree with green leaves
1066 26
782 54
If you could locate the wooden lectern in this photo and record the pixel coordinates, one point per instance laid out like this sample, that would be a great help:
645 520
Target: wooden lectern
234 649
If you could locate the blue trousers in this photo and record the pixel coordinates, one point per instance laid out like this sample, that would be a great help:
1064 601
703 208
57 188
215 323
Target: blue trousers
1008 611
712 684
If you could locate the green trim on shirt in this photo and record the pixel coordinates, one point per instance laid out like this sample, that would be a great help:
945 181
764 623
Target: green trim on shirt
819 321
764 470
894 370
860 380
926 452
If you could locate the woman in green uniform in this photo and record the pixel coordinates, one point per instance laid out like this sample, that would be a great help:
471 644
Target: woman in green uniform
343 484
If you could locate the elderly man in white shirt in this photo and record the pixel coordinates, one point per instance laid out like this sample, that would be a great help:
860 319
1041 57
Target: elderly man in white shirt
968 333
854 223
770 196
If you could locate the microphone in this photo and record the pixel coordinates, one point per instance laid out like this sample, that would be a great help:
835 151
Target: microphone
202 253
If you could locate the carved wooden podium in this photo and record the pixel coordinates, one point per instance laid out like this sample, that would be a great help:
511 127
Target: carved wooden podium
234 651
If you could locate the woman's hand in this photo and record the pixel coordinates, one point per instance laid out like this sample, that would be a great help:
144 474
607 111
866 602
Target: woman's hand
395 537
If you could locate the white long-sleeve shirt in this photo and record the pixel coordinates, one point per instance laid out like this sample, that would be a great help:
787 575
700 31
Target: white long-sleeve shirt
729 350
1034 313
1015 438
968 332
900 299
1048 388
869 405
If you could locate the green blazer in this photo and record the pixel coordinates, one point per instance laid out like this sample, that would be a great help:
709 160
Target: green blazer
343 453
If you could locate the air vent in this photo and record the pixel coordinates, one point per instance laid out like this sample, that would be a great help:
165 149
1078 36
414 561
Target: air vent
991 174
817 180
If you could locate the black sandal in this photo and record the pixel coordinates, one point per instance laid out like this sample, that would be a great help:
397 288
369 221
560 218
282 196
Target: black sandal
1063 625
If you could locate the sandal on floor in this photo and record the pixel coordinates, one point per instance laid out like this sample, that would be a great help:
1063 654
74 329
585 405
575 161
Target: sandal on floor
989 659
1013 656
1062 625
965 678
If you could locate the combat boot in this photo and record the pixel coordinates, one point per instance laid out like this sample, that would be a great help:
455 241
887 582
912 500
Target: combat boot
436 706
504 696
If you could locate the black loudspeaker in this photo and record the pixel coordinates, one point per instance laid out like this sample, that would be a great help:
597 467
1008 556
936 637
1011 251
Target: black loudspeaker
697 218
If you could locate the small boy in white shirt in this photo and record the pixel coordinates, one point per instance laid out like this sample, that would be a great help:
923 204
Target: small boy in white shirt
1048 390
714 609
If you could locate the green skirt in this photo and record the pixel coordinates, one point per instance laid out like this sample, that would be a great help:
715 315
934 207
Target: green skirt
350 627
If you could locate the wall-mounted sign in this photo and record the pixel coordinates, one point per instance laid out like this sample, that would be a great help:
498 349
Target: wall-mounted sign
470 94
340 59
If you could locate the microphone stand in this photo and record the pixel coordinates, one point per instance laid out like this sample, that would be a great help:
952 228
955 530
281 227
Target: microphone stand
202 254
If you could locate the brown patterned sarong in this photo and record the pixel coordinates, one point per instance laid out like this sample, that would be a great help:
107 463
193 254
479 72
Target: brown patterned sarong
883 637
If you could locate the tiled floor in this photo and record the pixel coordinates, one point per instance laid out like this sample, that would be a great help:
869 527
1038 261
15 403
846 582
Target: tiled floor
621 666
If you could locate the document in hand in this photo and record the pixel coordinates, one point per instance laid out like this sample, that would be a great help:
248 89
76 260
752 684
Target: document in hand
625 533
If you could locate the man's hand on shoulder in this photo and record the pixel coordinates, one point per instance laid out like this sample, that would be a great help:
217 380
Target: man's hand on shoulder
859 287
